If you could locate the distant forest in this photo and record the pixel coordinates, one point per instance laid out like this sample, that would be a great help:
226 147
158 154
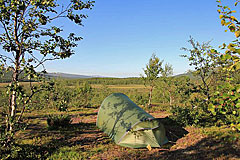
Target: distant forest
91 80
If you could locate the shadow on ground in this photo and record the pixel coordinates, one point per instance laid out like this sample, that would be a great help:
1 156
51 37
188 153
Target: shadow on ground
205 149
86 136
83 134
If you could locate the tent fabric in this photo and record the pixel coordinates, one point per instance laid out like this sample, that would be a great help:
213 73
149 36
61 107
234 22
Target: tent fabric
128 124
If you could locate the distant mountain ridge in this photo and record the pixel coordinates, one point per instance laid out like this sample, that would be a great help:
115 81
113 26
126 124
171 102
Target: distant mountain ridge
7 76
188 74
68 75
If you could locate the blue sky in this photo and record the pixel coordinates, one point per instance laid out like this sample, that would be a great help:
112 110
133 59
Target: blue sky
120 36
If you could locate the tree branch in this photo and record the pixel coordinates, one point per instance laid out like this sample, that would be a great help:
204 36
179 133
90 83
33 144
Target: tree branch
6 31
6 57
62 12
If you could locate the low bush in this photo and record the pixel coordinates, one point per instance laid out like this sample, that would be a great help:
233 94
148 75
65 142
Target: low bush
57 121
192 116
225 104
23 152
141 99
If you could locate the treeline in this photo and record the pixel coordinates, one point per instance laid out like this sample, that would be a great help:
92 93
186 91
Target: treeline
6 77
105 81
76 93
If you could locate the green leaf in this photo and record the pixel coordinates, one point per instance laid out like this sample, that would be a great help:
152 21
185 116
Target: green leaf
237 50
227 56
238 89
216 93
238 105
225 95
221 101
238 127
211 108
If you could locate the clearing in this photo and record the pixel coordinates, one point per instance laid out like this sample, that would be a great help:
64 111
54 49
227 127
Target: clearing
83 140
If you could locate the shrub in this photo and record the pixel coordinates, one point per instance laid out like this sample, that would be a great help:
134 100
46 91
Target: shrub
62 105
192 116
56 121
140 98
225 104
181 115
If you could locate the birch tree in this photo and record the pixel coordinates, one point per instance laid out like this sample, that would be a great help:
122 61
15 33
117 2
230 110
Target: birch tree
30 36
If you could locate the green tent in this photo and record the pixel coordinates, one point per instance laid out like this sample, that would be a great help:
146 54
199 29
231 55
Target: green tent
129 125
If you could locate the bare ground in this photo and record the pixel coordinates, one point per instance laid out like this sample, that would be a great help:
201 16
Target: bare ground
185 143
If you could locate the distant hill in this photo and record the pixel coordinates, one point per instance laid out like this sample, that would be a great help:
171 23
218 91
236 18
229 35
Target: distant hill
7 76
68 76
188 74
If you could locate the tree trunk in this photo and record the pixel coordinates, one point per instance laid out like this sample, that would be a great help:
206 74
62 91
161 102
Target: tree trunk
170 99
21 114
13 96
150 97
